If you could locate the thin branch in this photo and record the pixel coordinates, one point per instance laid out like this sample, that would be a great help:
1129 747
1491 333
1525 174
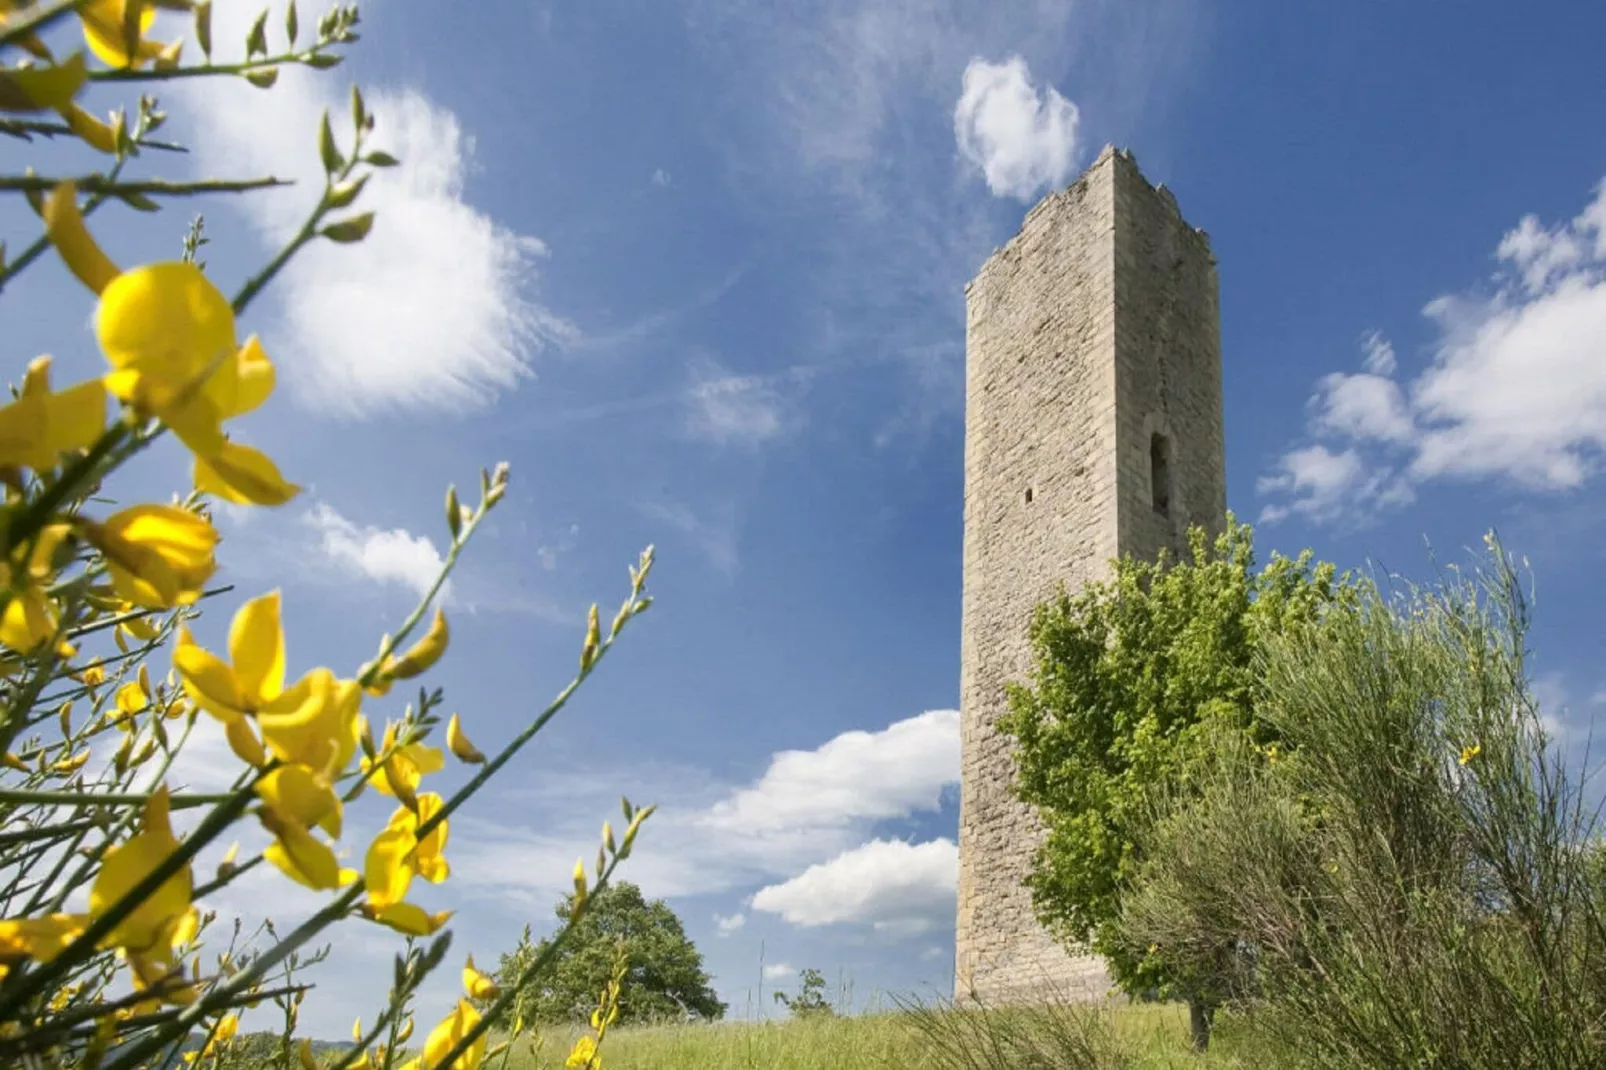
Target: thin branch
213 70
36 21
23 128
99 184
79 799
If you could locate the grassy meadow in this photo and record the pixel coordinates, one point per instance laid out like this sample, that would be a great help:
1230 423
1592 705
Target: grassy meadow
1141 1037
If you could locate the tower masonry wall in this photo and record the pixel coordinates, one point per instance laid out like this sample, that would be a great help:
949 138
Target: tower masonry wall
1092 331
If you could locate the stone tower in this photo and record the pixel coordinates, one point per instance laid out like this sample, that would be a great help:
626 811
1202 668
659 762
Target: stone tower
1093 428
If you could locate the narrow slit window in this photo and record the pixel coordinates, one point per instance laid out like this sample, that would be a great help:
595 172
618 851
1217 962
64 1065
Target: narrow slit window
1028 495
1160 472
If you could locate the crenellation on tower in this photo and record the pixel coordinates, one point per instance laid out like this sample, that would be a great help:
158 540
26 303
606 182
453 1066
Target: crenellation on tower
1092 428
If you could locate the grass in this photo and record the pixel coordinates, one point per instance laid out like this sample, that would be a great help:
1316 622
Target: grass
1146 1037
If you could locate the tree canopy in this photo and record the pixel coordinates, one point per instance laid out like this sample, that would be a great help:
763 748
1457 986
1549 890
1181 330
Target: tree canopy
1127 676
664 978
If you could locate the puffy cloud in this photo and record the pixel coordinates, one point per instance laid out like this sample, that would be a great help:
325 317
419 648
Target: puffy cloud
730 924
430 311
1022 141
858 776
894 886
1362 406
777 971
1323 486
707 837
1514 390
393 556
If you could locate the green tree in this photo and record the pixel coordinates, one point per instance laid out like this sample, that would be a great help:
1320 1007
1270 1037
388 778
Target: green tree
664 978
1416 879
1128 676
810 1001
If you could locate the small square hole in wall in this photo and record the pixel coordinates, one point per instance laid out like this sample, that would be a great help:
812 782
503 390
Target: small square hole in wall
1029 495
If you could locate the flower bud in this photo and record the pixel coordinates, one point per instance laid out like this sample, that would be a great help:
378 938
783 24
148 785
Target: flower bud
459 744
478 984
454 512
426 652
588 652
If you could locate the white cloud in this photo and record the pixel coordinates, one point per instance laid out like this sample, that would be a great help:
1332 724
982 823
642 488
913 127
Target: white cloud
725 409
894 886
777 971
1362 406
1021 141
1380 359
660 177
708 837
430 311
1514 390
834 99
858 776
1324 486
393 556
728 925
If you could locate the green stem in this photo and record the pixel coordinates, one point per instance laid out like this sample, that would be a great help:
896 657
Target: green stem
92 858
206 70
137 614
255 283
36 21
105 186
506 754
78 799
19 988
204 890
417 615
65 828
531 972
21 128
308 231
78 474
222 995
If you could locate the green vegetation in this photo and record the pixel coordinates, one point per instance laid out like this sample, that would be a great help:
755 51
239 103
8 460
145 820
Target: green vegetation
1141 1037
1413 879
1130 676
810 999
664 980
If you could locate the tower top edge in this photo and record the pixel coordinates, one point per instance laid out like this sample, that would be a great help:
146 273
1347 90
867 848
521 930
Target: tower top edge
1123 163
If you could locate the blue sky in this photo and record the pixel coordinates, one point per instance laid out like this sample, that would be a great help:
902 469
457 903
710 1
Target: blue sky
695 270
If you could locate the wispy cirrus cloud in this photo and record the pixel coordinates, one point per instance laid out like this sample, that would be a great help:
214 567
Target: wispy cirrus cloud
385 556
853 102
713 532
742 410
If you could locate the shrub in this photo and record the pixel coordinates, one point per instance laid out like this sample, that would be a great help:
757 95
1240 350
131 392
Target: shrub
1127 676
1411 879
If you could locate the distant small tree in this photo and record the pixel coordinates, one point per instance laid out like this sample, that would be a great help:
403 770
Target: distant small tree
664 977
1128 677
810 1001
